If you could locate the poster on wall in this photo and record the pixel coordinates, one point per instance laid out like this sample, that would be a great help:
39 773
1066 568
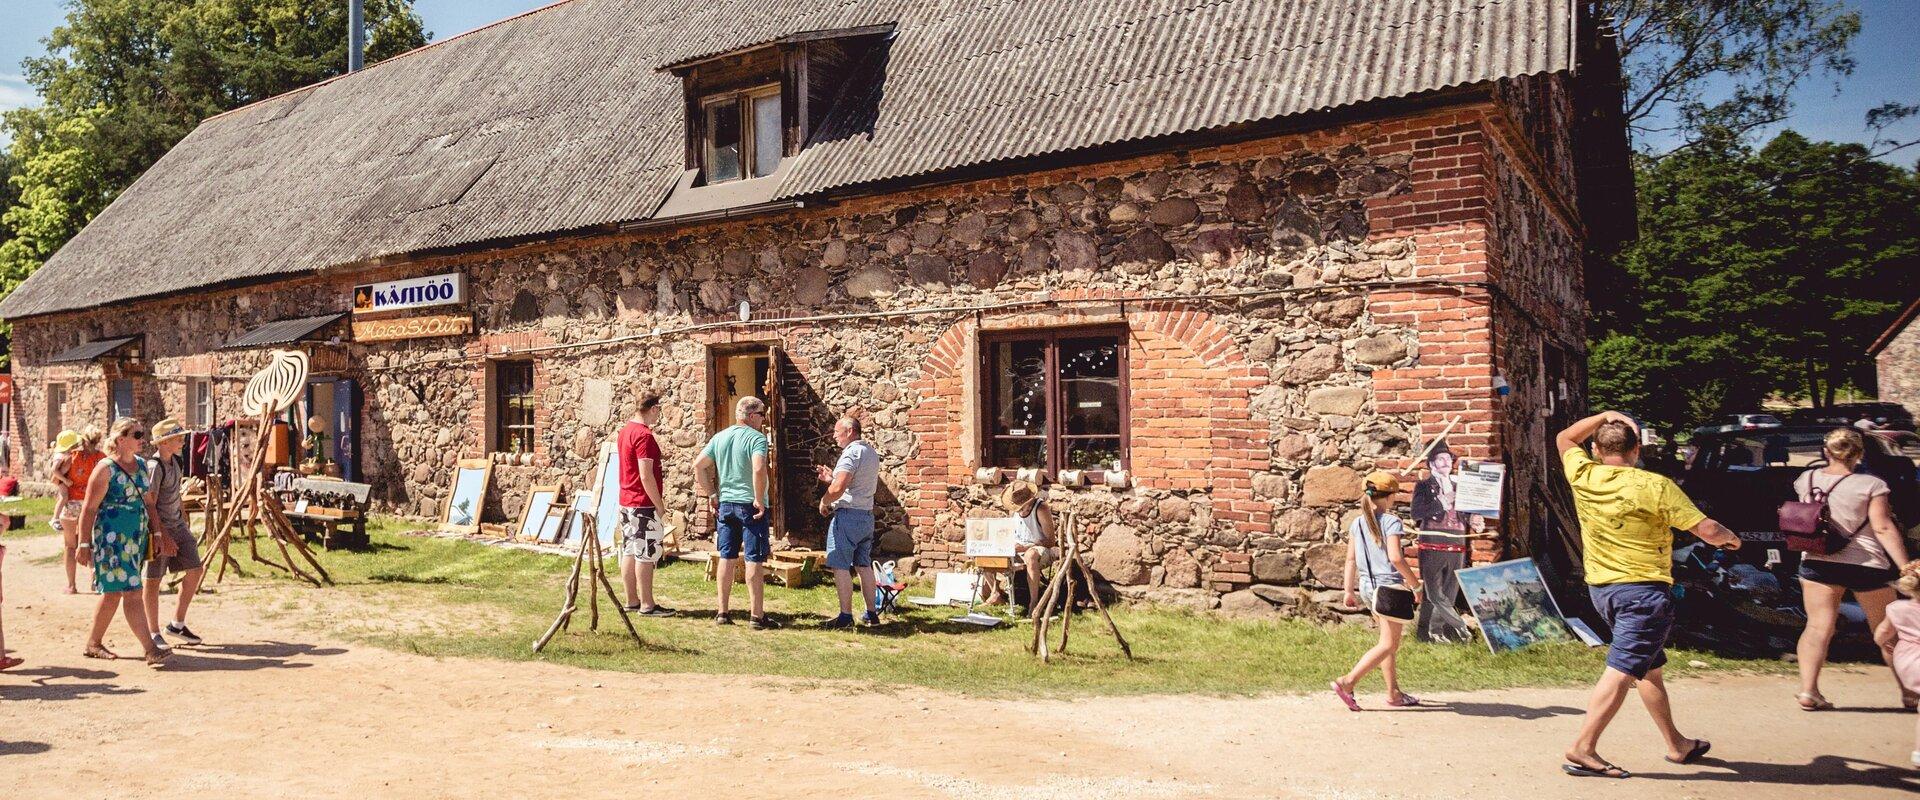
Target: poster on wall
1478 489
1513 605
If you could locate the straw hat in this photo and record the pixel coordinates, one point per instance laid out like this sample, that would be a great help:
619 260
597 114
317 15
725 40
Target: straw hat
1382 484
1020 496
67 440
167 429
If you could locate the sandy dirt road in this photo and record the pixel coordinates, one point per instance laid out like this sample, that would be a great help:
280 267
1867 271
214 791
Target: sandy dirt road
261 712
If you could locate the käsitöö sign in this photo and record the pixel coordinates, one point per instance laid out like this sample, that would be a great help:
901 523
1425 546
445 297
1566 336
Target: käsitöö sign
433 290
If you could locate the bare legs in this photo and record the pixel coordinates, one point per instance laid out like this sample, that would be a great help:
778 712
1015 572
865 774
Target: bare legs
756 585
189 586
1381 656
843 583
111 602
1608 695
638 577
1823 609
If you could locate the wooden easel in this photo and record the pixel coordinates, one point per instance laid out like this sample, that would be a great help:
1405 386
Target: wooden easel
594 560
1063 579
256 509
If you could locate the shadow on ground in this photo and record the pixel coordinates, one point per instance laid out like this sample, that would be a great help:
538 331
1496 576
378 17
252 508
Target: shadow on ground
1821 771
64 683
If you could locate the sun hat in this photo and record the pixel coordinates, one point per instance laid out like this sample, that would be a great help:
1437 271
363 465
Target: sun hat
1382 484
1019 496
167 429
67 440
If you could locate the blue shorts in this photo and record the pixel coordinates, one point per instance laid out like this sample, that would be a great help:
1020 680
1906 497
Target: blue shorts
850 538
1641 616
736 529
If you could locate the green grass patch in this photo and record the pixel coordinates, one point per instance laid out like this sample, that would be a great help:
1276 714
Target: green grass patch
470 599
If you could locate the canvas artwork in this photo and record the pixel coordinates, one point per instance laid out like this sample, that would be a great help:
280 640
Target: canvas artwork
1514 607
991 536
606 487
469 493
535 524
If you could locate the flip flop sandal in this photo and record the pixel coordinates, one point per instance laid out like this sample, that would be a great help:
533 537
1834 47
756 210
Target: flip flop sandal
1700 748
1406 701
1605 771
1345 695
1809 702
10 662
100 652
158 657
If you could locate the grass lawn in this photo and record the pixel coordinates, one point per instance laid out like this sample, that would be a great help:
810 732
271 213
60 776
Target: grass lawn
448 597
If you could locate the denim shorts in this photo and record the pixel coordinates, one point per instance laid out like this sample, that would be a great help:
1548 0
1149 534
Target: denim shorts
1641 616
737 532
850 538
1852 577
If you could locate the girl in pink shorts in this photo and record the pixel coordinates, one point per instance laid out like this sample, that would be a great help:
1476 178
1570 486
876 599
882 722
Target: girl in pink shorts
1899 637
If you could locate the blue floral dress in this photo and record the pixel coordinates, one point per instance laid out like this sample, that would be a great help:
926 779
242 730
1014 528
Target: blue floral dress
120 530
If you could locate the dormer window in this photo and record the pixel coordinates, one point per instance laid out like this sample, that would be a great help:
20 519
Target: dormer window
745 137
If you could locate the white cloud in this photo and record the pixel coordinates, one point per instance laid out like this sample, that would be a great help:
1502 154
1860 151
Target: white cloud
14 93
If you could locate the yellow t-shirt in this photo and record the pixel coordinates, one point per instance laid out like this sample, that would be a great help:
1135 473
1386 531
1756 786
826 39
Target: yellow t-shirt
1625 519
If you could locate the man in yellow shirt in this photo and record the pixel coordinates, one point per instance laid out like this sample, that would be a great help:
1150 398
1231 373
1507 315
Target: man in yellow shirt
1627 517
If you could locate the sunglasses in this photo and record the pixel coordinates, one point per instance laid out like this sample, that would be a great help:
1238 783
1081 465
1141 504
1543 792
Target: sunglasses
135 435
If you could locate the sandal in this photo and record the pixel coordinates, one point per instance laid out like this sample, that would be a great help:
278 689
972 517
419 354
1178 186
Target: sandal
1345 695
1813 702
1910 701
1700 748
1605 770
157 657
99 651
9 662
1405 701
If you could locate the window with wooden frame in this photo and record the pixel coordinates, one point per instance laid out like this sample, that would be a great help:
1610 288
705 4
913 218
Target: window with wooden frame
513 406
56 409
199 402
1055 399
744 134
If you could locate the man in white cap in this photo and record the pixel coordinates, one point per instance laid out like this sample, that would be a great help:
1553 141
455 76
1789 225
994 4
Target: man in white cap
169 519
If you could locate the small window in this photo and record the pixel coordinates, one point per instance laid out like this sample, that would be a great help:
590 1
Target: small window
513 406
1056 400
200 403
745 137
56 409
121 406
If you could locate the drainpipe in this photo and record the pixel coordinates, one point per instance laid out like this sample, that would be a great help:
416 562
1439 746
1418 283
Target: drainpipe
356 35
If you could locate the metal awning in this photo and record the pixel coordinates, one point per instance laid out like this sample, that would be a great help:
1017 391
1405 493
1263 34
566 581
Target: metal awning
283 331
92 350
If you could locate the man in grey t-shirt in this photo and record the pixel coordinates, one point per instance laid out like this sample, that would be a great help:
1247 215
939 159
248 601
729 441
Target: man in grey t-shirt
849 502
169 436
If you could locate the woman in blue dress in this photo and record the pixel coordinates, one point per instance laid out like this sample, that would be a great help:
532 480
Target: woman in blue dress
119 497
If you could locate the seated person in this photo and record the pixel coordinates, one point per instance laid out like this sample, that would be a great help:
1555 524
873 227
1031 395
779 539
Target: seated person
1033 543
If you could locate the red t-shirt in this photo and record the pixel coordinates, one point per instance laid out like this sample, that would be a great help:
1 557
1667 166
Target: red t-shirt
636 442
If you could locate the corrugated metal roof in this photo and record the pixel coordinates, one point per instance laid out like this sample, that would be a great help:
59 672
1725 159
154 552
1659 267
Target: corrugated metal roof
92 350
560 119
282 331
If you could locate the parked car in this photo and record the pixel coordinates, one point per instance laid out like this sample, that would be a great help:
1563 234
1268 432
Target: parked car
1885 415
1740 478
1737 422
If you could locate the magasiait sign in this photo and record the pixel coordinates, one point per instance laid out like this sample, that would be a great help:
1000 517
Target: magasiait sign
433 290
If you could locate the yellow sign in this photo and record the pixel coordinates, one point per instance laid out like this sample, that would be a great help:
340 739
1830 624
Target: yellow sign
387 330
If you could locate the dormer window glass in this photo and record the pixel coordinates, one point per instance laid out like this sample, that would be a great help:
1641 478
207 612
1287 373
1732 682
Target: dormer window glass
744 134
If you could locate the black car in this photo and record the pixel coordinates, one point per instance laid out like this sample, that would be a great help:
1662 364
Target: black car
1740 478
1885 415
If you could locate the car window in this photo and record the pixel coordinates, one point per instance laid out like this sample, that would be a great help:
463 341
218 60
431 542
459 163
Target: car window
1760 449
1765 419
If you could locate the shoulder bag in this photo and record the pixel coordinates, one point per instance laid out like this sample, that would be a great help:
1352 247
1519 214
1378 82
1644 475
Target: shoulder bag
1808 524
1392 601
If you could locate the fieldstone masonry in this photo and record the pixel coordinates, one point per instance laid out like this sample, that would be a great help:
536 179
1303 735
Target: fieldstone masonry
1299 309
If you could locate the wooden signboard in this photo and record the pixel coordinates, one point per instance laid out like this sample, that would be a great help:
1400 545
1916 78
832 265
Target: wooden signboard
387 330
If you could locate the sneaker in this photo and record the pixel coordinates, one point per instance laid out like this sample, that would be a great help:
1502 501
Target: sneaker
656 611
160 643
722 619
764 623
870 618
181 632
838 623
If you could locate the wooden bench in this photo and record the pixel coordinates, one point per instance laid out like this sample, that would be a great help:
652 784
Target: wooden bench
334 513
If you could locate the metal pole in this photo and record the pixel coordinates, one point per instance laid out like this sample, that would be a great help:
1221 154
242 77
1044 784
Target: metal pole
356 35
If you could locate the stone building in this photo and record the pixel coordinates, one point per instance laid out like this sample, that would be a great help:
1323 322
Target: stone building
1218 259
1896 359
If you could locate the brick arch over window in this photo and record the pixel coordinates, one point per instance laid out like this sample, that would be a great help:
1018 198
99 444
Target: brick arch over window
1190 411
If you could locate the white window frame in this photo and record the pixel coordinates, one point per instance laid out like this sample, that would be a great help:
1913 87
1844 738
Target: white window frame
200 408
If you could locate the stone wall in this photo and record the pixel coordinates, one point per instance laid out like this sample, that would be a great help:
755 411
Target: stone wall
1287 330
1898 365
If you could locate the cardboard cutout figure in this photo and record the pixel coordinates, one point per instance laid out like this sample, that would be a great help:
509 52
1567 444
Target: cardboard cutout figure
1443 542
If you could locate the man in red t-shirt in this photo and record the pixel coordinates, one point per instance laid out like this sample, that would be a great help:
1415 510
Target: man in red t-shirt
640 501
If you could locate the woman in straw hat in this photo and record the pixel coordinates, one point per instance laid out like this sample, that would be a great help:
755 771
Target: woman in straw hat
75 456
1032 540
119 502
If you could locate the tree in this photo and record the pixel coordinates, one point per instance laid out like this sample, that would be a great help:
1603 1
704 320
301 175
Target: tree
1757 273
1751 54
124 80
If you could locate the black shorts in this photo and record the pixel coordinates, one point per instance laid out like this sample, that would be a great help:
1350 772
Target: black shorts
1852 577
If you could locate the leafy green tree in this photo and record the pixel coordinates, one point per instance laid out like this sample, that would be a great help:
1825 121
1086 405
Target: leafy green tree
124 80
1757 273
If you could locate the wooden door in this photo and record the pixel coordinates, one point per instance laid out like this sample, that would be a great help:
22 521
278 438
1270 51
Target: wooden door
776 477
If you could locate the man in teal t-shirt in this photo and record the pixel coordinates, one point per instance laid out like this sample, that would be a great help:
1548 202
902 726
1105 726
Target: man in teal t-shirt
736 459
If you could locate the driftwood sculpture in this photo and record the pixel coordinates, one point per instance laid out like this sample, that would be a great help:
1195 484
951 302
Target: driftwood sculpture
592 561
254 509
1062 586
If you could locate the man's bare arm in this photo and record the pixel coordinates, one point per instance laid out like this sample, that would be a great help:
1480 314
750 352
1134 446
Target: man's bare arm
1716 534
1579 432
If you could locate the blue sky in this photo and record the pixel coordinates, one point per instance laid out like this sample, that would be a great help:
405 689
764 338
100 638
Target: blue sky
1824 109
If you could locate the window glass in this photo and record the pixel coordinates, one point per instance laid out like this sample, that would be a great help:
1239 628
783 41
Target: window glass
513 407
1019 404
56 409
767 147
200 402
1056 402
723 141
1090 403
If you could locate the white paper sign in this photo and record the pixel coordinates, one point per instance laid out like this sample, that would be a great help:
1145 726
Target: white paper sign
1477 489
991 537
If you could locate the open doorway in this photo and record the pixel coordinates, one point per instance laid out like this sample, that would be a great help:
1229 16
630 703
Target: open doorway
737 371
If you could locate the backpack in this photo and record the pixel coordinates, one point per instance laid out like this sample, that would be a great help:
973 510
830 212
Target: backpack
1808 525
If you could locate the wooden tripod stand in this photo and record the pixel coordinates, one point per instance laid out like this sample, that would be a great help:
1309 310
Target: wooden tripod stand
594 560
254 510
1063 581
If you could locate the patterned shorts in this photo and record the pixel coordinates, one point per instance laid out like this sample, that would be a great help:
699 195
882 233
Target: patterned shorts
640 535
